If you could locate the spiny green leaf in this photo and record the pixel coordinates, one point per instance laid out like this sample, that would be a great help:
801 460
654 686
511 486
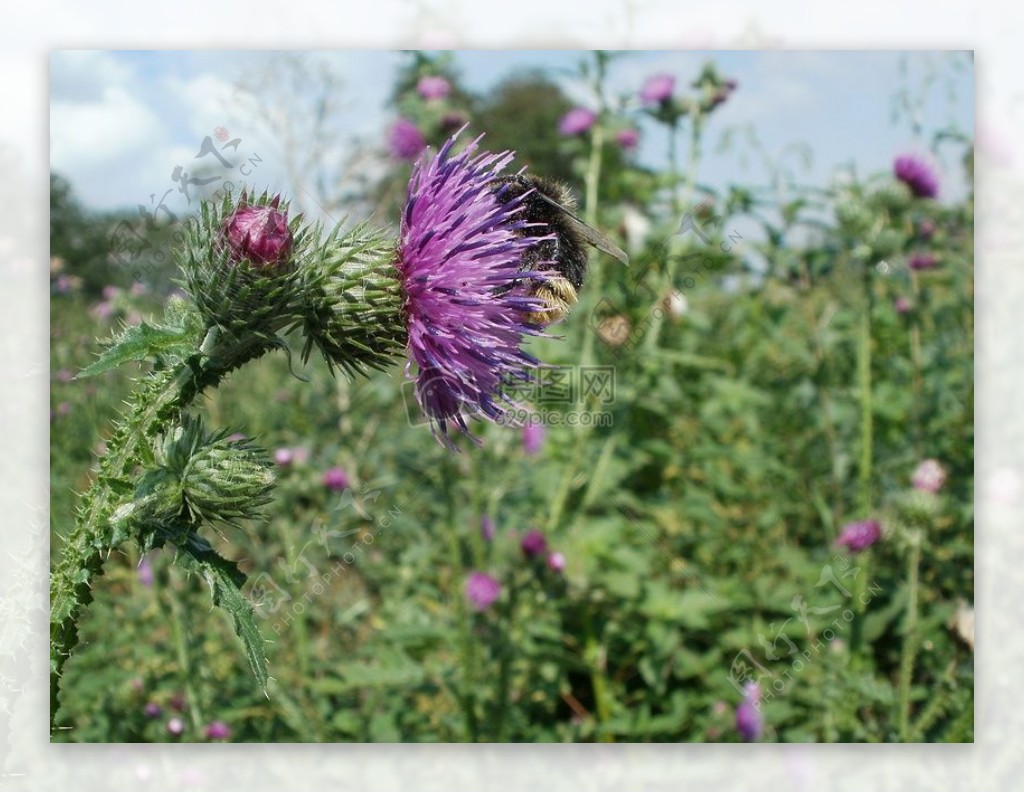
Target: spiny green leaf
145 342
225 581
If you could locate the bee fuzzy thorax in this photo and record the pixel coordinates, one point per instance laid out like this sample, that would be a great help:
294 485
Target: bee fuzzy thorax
562 239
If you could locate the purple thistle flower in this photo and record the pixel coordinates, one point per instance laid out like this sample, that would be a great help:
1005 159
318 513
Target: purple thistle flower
860 535
533 437
627 138
175 726
556 561
657 88
459 257
111 292
405 140
748 716
929 476
433 87
153 711
217 731
335 479
918 175
902 305
258 233
487 527
534 543
284 457
922 261
482 590
577 121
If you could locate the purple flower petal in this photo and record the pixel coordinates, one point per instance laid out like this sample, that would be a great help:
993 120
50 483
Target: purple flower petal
657 88
917 175
577 121
860 535
460 254
433 87
482 590
405 140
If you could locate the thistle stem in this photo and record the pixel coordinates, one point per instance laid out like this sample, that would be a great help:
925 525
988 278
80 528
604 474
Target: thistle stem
909 635
866 437
467 661
158 402
678 203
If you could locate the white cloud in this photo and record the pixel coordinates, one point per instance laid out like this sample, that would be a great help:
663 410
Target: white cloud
91 134
82 76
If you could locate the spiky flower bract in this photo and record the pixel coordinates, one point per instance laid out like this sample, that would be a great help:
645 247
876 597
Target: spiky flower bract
459 256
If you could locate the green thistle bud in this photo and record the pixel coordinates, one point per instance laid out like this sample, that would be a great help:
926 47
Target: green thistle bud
201 477
918 508
886 243
894 197
354 303
226 481
853 216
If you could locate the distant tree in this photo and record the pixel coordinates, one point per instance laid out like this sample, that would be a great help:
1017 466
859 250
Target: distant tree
522 114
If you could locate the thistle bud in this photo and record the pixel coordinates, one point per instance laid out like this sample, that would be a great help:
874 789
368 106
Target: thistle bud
354 312
258 233
226 481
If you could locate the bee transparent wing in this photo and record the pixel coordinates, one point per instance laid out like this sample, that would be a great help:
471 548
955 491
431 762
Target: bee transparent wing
589 233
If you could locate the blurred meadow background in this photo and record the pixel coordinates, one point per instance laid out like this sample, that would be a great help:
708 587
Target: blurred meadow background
745 513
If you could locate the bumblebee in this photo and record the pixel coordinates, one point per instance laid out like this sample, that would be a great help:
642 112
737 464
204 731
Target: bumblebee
551 205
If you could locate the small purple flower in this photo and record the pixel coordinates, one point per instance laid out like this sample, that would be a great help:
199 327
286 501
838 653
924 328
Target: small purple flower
433 87
102 310
236 437
146 572
405 140
533 437
482 590
922 261
335 479
748 717
487 527
556 561
534 543
258 233
217 731
577 121
902 305
627 138
175 726
459 257
153 711
657 88
860 535
918 175
111 292
284 457
929 476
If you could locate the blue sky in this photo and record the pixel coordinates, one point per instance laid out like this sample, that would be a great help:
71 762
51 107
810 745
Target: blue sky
121 121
